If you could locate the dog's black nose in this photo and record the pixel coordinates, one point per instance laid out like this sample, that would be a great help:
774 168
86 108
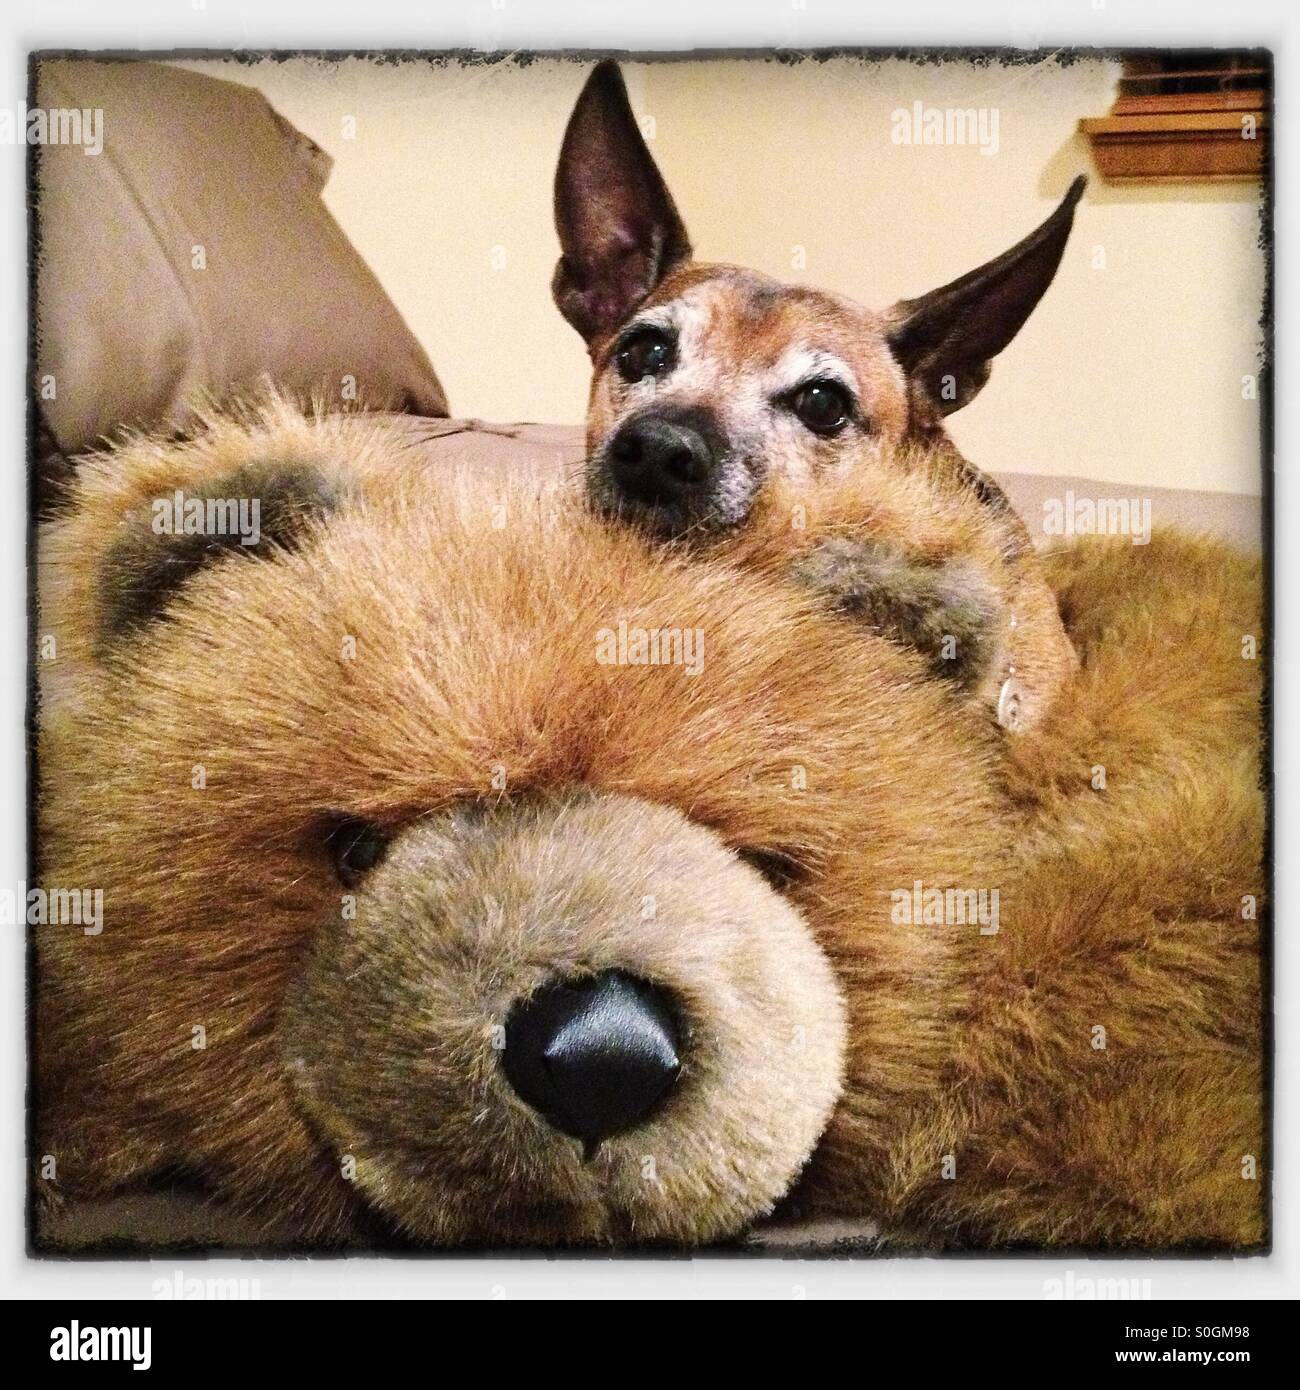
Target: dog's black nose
593 1055
660 461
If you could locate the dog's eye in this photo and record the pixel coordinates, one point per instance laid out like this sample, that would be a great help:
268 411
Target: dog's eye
647 352
821 405
357 846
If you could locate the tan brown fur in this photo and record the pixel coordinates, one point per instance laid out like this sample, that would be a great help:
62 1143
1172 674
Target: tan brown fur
476 652
916 503
1120 907
1124 910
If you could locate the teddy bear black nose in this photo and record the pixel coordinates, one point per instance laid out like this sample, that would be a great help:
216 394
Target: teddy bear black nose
593 1055
660 461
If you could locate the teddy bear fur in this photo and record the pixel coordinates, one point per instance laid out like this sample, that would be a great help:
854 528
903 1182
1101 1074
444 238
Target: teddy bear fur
1138 838
916 545
537 799
946 1083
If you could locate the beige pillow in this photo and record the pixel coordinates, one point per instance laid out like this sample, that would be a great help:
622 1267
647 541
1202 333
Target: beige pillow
196 170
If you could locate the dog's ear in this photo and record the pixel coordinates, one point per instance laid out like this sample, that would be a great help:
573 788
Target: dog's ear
619 231
946 340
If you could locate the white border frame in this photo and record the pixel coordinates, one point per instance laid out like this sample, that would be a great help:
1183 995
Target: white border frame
667 25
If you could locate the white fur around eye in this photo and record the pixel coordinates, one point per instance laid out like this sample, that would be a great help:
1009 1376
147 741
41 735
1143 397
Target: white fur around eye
800 364
693 373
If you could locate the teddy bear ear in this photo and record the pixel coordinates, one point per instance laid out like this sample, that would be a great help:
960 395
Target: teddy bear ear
165 539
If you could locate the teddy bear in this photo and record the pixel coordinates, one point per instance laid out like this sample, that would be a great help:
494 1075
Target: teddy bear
476 871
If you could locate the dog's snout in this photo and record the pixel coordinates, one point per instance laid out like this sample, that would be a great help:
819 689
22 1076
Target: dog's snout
593 1055
657 460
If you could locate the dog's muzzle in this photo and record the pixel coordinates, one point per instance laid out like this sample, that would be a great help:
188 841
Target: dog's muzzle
669 468
662 461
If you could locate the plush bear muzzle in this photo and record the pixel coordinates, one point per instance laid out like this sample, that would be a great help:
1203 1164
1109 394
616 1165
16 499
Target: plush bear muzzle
510 1042
593 1054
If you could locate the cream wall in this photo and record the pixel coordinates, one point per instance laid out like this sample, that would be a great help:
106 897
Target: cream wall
1130 370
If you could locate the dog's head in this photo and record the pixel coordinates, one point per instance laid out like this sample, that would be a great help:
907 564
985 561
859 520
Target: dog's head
710 379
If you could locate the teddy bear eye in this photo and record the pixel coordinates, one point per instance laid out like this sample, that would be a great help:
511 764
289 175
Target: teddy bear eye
356 846
782 870
646 352
823 406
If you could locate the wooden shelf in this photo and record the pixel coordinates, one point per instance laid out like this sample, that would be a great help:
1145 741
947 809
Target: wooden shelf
1175 146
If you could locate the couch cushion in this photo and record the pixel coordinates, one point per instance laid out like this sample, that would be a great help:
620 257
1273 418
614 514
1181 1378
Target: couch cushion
1230 516
196 170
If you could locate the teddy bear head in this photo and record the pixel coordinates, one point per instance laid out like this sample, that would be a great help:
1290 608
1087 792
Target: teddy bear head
473 870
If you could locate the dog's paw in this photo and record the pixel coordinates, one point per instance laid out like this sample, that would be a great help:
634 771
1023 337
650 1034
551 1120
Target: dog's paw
949 612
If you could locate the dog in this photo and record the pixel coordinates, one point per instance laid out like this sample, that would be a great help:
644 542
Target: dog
713 383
